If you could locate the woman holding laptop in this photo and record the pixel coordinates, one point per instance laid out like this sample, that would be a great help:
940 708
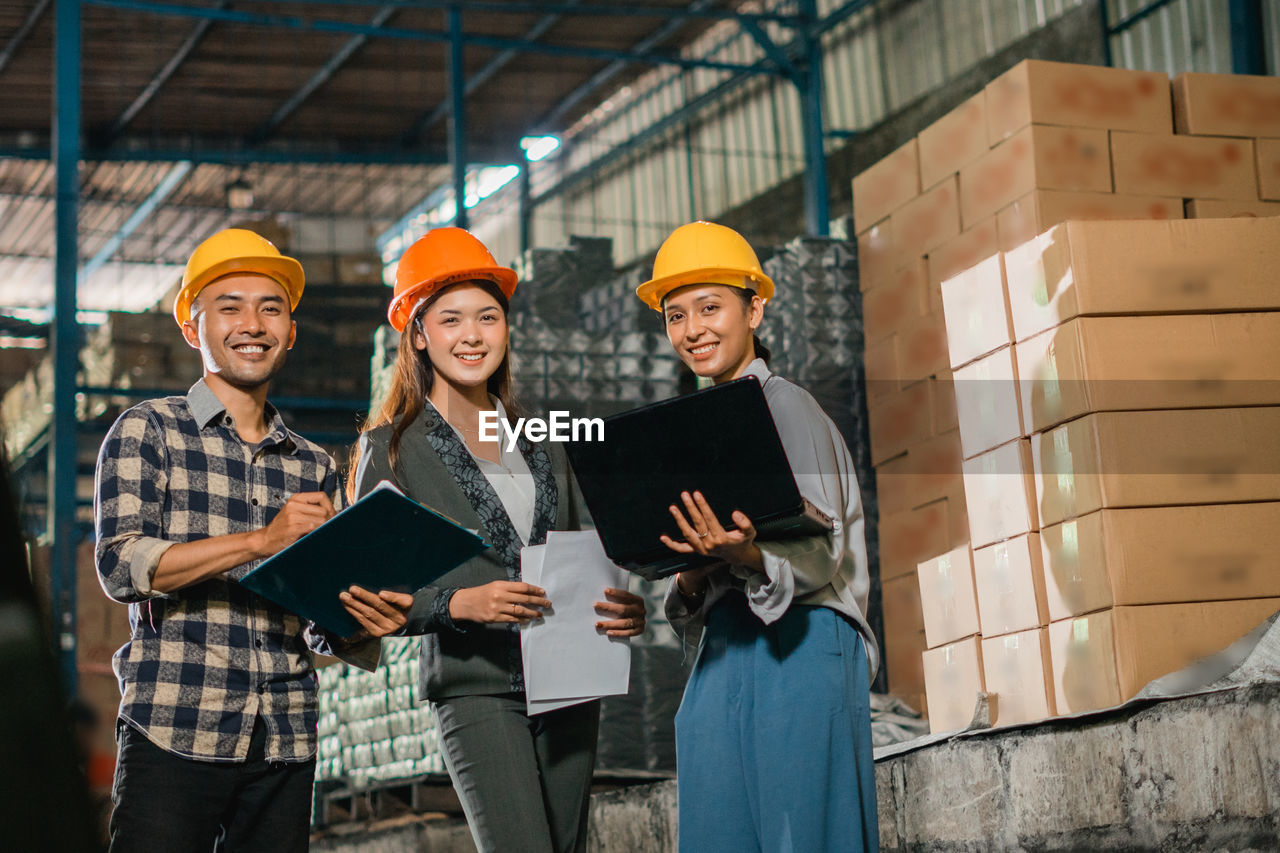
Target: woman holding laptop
773 737
524 781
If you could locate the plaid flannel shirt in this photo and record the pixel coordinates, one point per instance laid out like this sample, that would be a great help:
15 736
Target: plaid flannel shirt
205 661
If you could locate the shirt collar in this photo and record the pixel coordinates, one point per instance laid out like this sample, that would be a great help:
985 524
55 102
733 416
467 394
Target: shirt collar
206 408
758 369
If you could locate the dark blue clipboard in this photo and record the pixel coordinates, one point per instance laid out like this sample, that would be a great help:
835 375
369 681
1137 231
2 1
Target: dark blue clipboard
385 540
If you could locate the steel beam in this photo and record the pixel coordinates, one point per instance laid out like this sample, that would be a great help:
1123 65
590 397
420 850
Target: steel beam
457 118
24 29
437 36
163 190
65 339
240 157
817 211
318 79
1248 51
569 7
162 77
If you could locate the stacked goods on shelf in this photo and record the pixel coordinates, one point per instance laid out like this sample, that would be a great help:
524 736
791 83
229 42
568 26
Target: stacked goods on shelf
554 279
613 307
1117 393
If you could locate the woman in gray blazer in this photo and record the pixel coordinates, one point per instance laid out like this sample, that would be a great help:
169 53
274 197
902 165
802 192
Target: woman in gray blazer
524 781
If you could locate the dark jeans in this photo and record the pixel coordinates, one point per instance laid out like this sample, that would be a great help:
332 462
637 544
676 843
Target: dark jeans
172 804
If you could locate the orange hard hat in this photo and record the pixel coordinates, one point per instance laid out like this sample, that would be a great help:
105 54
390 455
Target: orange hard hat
439 258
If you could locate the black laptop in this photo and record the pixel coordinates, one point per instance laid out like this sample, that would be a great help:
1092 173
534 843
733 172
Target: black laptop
721 441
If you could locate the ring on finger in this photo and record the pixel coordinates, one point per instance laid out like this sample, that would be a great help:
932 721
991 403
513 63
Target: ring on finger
701 533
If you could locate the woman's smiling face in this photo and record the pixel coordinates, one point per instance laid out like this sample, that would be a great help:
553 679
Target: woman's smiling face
711 329
464 333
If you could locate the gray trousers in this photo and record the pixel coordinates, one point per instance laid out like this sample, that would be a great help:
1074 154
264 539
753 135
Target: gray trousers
524 782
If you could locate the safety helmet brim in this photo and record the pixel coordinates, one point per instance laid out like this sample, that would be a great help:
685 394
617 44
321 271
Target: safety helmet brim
652 292
285 271
400 312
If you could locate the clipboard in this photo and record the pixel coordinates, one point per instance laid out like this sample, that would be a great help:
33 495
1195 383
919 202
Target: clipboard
385 540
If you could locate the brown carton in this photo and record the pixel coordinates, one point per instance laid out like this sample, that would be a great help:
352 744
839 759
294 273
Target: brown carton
893 305
1268 151
947 599
1160 555
904 665
988 405
1226 104
1077 95
963 251
876 255
1170 458
1104 364
1179 266
976 306
909 538
956 139
1184 166
1018 670
922 348
926 222
903 614
1038 211
925 473
999 489
1106 658
953 679
1037 157
880 366
886 186
944 403
1217 208
899 420
1009 582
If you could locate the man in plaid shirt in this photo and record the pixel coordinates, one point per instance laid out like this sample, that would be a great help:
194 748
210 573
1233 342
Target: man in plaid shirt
217 724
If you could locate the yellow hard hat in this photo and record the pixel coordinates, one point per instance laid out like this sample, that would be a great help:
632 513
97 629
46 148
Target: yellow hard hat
234 250
704 253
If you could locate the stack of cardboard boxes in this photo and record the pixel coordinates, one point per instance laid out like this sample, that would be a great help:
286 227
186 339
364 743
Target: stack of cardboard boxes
1042 144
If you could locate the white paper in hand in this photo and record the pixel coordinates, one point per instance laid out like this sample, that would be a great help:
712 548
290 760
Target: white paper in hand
566 660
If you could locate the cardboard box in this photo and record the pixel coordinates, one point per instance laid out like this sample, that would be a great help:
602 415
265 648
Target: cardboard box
904 665
953 679
880 367
1034 91
956 139
1018 670
1170 458
903 613
922 348
976 307
1038 211
963 251
947 599
926 222
1103 364
1268 151
1216 208
999 490
898 302
1184 166
909 538
988 404
886 186
1179 266
1106 658
1160 555
925 473
1226 104
875 255
1037 157
943 396
899 420
1009 582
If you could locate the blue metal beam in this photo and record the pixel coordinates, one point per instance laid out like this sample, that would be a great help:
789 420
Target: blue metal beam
457 119
1145 12
163 190
817 211
65 340
475 81
437 36
318 79
1248 51
604 75
24 29
626 10
162 77
241 156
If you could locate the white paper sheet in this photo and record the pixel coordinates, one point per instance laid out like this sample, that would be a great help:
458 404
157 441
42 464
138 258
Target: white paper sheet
566 659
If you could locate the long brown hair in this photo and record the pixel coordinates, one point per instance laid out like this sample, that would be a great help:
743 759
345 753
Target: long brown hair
413 377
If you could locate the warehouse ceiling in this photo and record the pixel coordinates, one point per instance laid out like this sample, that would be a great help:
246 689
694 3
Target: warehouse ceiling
323 107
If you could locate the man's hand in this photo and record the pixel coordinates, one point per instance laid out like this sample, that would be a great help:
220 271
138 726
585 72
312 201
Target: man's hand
499 601
301 514
379 613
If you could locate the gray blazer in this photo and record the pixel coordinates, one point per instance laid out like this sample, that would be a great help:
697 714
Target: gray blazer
436 469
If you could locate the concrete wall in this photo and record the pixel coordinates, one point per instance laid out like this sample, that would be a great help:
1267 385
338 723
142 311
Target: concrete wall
1198 774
